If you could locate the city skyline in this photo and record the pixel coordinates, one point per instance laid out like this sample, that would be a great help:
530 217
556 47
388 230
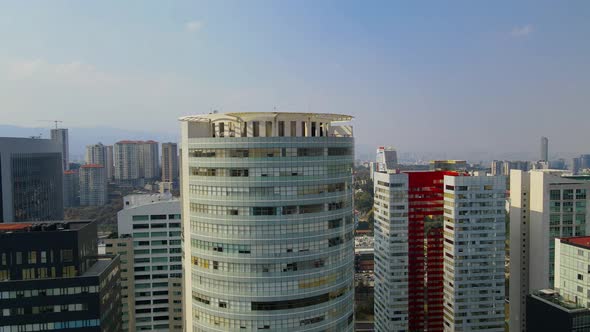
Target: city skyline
459 73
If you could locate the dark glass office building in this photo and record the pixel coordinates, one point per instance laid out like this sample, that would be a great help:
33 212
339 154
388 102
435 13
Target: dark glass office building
52 279
547 311
31 180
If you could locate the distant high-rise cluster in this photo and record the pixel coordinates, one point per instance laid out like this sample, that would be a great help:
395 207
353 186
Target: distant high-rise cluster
503 167
581 164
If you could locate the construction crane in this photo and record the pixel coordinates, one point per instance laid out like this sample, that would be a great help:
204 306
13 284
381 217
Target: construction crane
54 121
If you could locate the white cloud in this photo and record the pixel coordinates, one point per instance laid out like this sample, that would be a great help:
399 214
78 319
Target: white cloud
193 26
522 31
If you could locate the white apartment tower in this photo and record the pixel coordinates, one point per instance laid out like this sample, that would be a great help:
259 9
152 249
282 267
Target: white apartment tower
474 253
102 155
127 160
150 244
268 220
149 160
169 162
110 163
391 252
93 185
544 205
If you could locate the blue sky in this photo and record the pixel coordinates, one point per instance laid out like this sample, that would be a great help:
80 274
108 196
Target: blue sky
461 76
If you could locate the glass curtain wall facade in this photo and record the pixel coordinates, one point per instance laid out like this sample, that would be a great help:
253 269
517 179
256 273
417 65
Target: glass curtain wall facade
37 186
269 222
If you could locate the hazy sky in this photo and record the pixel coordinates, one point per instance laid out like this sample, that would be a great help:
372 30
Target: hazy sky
423 76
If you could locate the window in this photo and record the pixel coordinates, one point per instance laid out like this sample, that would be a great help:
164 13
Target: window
281 128
554 194
255 128
32 257
140 218
158 217
67 255
293 128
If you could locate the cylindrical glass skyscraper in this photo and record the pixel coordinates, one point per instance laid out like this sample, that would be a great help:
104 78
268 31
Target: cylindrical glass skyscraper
268 222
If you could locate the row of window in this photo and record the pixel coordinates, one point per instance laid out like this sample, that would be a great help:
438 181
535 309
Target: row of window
267 211
315 170
36 257
271 249
75 324
6 295
157 259
567 194
44 309
281 288
156 217
155 242
157 276
330 261
231 129
302 190
157 251
270 152
271 305
270 229
294 321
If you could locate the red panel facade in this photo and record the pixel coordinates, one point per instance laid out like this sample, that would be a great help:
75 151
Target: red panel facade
425 200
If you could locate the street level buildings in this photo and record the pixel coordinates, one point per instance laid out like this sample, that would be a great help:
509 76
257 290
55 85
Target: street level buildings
268 219
150 246
31 180
51 278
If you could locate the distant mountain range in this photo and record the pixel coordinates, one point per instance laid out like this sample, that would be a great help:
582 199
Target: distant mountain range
80 137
